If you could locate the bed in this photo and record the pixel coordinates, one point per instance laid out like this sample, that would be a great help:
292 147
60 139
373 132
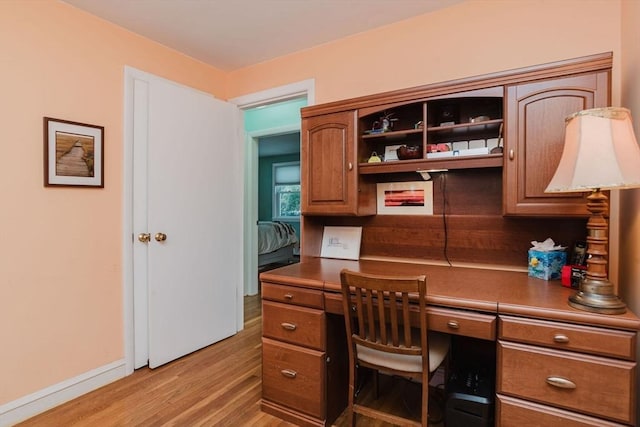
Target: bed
276 241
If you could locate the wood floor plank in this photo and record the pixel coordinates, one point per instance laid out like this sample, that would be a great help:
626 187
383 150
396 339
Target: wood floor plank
220 385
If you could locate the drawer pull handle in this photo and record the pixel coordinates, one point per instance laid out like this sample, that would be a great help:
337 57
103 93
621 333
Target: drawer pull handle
288 326
560 338
289 373
561 382
453 324
288 296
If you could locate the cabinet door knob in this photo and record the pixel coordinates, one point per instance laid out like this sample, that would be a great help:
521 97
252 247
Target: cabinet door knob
560 338
453 324
288 373
350 166
511 154
288 326
561 382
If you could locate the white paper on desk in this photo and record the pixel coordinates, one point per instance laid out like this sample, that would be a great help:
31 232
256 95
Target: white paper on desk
341 242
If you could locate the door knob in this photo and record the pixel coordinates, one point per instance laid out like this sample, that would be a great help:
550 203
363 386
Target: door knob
144 237
161 237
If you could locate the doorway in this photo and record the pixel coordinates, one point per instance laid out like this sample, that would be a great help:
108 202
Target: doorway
271 123
278 200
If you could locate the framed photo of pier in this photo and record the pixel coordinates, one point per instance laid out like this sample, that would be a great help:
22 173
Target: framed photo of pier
73 154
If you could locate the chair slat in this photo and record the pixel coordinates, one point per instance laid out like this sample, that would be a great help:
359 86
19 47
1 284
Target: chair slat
393 317
405 319
382 320
372 334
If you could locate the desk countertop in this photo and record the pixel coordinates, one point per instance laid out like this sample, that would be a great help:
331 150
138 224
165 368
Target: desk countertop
480 289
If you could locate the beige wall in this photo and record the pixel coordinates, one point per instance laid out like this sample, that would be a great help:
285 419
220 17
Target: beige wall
60 248
629 248
468 39
60 258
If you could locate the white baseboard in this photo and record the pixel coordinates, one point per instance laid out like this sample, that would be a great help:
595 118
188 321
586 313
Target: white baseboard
47 398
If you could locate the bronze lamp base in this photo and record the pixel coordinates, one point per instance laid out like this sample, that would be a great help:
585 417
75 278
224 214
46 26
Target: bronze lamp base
596 292
597 296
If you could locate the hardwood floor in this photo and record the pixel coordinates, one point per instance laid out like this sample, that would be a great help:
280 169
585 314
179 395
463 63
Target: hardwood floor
219 385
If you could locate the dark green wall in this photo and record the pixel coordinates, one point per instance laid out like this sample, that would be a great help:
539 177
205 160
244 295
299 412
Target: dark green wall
265 190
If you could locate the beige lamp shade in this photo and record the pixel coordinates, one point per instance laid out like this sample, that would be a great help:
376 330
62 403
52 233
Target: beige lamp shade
600 152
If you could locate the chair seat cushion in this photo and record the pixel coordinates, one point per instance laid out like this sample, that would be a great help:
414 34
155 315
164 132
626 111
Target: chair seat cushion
438 348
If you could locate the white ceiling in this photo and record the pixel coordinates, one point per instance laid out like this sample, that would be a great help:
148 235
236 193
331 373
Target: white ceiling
231 34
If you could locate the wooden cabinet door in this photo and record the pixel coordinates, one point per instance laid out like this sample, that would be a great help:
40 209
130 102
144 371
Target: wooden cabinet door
535 139
329 166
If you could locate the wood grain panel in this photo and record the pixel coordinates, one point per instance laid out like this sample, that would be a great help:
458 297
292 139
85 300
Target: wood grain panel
297 325
293 295
565 336
512 412
472 228
293 376
490 239
613 381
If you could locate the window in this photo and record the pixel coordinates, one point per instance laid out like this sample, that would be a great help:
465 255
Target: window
286 191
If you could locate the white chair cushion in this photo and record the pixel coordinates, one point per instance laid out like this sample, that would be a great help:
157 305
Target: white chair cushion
438 348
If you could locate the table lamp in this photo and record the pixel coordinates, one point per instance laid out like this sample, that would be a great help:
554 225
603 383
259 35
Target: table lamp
600 153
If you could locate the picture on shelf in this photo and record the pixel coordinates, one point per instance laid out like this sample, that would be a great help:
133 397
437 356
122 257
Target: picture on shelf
341 242
391 153
405 198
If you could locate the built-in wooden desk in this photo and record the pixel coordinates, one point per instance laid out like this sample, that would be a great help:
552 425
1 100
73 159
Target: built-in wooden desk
555 364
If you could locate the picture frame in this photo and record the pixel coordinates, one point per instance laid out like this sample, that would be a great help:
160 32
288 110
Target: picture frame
73 154
341 242
405 198
390 153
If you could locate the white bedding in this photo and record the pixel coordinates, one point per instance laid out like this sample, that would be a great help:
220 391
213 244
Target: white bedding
274 235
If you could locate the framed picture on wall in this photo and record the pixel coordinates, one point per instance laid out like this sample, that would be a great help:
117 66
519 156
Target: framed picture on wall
73 154
405 198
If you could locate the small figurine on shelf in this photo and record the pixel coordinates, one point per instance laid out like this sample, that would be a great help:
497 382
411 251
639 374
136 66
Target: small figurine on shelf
375 158
387 122
384 124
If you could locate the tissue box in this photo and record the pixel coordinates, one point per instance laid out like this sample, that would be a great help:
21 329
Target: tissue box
546 265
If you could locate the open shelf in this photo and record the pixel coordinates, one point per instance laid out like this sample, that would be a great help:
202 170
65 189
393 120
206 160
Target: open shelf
479 125
393 135
458 162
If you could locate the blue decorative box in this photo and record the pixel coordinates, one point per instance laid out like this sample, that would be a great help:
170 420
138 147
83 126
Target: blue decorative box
546 265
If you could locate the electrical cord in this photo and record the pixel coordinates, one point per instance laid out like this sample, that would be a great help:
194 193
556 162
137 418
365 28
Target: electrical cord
445 204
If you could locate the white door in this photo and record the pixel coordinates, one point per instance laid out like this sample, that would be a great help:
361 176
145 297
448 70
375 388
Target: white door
187 186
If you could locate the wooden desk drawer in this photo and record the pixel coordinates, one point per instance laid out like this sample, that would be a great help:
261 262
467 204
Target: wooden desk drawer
601 387
458 322
292 295
512 412
606 342
294 377
297 325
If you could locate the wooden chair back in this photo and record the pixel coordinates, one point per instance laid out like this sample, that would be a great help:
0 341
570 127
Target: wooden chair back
380 313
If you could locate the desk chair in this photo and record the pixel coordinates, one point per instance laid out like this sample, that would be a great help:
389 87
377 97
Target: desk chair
380 336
